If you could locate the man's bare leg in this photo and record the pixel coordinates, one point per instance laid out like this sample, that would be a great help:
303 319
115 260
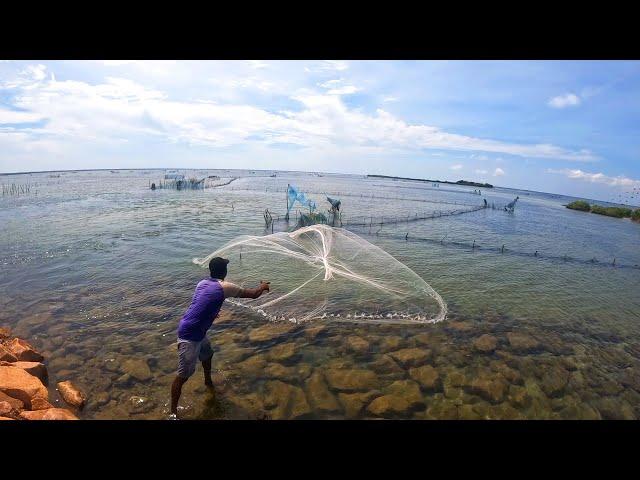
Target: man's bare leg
206 365
176 390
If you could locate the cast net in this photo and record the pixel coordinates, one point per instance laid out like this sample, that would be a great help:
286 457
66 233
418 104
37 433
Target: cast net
321 272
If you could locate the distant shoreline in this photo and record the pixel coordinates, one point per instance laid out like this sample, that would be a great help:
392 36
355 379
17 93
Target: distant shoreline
466 183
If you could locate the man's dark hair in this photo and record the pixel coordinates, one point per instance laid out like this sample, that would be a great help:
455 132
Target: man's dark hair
218 267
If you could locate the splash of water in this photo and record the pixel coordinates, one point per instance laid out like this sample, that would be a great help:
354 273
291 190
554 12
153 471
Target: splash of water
322 272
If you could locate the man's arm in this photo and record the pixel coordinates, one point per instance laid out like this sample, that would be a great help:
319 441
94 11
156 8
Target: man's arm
254 292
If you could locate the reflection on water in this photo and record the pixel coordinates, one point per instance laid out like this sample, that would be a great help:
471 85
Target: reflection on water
96 272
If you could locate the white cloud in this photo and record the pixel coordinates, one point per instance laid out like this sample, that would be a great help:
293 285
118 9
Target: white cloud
12 116
457 166
481 172
498 172
566 100
338 87
121 108
390 98
258 64
619 181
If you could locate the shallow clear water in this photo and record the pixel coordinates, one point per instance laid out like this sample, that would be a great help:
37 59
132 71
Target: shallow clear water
96 270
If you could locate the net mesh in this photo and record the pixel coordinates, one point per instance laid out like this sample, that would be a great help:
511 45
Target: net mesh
322 272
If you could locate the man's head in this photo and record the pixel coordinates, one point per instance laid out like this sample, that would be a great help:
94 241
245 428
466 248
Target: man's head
218 267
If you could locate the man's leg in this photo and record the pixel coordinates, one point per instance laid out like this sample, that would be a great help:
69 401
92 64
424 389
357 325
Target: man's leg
206 365
206 355
176 390
187 358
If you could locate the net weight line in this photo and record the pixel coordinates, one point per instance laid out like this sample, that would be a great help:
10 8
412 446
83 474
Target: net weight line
502 250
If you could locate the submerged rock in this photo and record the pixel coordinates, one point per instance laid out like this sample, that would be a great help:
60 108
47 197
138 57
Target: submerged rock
522 342
554 381
5 332
351 380
287 401
384 364
137 405
48 414
389 344
137 368
408 390
411 357
319 395
271 331
485 343
282 353
71 394
354 403
389 406
313 331
489 388
253 366
17 383
357 345
427 376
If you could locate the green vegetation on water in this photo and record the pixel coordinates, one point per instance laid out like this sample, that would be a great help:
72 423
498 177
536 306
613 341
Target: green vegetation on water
580 205
617 212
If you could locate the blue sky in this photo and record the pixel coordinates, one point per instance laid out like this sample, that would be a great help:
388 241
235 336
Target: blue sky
554 126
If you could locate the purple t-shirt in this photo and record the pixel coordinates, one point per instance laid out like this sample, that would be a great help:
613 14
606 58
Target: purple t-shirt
204 308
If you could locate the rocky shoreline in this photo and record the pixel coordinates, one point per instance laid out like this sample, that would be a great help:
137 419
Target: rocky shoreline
24 379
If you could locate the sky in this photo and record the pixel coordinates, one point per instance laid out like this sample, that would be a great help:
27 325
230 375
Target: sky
568 127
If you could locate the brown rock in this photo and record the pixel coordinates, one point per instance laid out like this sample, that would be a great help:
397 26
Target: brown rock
6 355
17 383
289 401
5 332
313 331
283 352
389 344
36 369
554 380
14 402
460 326
518 396
411 357
491 389
5 418
319 395
522 342
71 394
5 408
485 343
423 339
354 403
270 331
23 351
137 368
48 414
40 404
357 345
427 376
253 366
389 406
351 380
384 364
407 390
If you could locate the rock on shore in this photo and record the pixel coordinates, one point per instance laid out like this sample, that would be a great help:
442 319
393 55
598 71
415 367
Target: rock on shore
23 379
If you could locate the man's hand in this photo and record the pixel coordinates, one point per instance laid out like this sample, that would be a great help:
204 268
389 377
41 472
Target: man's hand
254 292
